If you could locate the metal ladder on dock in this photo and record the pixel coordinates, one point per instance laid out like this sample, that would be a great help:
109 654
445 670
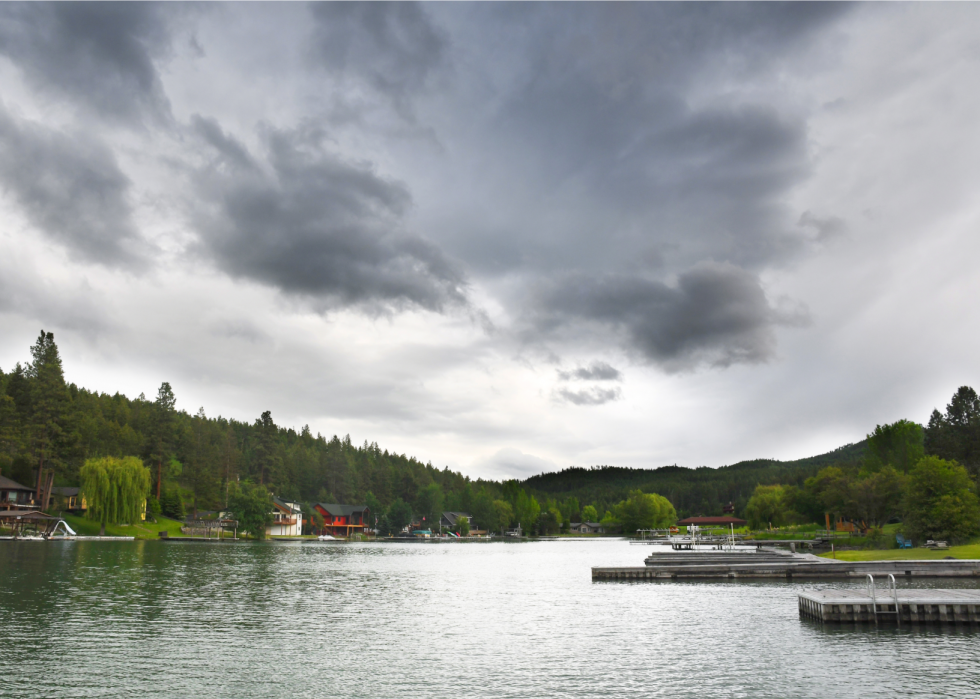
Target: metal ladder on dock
874 601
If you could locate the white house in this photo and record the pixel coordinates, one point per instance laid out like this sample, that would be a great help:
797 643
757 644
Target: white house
287 519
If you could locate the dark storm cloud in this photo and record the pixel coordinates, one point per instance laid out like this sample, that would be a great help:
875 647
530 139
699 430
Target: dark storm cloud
649 126
71 188
716 314
634 144
313 224
391 47
591 396
597 371
100 55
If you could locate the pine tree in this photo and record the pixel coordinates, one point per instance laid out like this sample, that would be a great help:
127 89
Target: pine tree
268 460
49 404
162 430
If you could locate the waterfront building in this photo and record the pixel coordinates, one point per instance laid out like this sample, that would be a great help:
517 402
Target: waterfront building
343 520
71 499
449 520
287 519
586 528
15 496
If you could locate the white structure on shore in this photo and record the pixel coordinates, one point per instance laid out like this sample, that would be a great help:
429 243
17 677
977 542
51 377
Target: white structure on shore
287 519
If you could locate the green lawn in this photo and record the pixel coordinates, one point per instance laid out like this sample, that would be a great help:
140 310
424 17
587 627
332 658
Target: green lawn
143 530
967 551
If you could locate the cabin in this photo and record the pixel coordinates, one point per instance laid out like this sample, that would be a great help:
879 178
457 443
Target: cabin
287 519
449 520
343 520
586 528
71 499
14 496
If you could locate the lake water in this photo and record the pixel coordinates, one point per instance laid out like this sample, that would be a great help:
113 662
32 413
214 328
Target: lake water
108 619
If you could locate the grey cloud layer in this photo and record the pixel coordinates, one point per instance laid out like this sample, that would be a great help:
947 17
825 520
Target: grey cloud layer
391 47
622 173
589 396
717 313
601 118
70 186
98 55
597 371
617 146
313 224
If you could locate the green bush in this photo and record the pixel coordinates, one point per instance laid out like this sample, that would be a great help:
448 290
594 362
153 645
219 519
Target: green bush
171 504
153 506
940 502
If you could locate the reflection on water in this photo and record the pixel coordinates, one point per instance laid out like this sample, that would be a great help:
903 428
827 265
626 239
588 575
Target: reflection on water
98 619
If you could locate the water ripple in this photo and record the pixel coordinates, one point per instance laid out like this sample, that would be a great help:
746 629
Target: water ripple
108 619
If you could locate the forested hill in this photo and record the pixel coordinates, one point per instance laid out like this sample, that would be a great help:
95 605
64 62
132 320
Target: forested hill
693 491
49 423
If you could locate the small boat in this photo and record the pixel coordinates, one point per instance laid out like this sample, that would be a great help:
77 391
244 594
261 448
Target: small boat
326 537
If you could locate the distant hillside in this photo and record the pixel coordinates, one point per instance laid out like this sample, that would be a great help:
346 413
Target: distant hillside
693 491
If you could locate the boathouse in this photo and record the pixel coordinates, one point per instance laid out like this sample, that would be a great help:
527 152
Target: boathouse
343 520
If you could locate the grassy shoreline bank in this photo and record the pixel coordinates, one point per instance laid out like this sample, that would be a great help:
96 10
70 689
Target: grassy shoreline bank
971 551
143 530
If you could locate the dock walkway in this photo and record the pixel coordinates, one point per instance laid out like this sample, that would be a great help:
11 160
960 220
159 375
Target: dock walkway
729 565
914 606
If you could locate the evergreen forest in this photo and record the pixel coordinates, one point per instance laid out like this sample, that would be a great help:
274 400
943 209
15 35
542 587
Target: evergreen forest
198 462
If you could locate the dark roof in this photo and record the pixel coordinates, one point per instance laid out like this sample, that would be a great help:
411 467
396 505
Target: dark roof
285 505
712 521
65 491
24 514
7 484
451 517
342 510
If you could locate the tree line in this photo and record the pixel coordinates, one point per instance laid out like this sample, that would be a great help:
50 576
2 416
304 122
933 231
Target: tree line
926 478
702 491
198 463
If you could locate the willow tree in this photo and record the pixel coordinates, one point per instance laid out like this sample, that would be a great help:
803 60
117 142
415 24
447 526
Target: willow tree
114 489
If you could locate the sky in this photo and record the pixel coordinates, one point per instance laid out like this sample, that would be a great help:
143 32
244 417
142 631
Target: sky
504 238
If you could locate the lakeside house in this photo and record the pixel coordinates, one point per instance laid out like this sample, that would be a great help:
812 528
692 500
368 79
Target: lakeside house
586 528
342 520
71 498
287 519
15 496
449 520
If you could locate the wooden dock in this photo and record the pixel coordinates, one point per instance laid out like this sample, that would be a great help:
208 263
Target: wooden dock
732 565
889 606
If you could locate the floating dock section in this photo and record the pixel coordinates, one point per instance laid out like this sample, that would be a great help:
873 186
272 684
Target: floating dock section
899 607
773 564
